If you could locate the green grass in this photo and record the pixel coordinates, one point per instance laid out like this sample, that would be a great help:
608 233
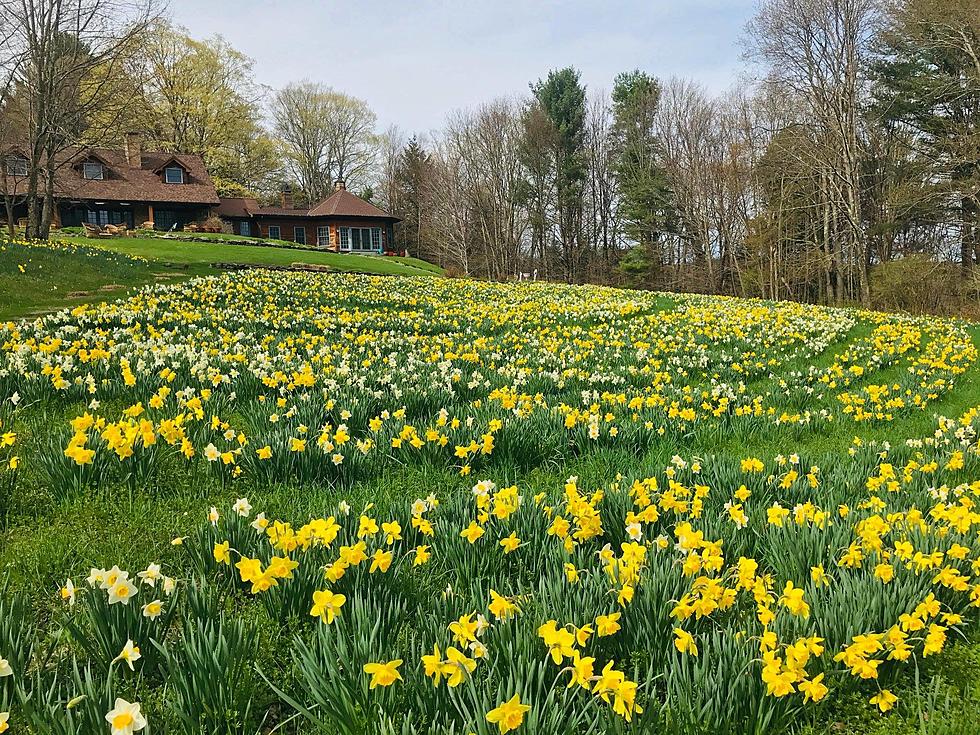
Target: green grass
206 253
36 280
99 270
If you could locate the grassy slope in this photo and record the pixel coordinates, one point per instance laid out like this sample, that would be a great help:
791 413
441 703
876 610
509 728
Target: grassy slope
946 695
54 279
180 251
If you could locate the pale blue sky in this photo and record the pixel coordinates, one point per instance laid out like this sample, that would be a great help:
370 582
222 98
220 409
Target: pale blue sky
414 61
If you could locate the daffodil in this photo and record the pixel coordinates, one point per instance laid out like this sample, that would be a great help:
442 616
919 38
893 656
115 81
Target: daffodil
125 718
326 605
153 609
129 654
383 674
508 715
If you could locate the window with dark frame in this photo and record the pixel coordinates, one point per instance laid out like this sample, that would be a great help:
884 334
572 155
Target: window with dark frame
93 171
299 235
274 232
16 166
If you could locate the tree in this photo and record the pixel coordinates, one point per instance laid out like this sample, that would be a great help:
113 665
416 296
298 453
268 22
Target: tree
10 126
413 176
68 52
200 97
928 90
645 196
324 136
562 100
537 142
815 51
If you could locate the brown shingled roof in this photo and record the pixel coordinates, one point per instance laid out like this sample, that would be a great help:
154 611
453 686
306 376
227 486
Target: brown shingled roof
339 204
128 183
344 204
281 212
237 207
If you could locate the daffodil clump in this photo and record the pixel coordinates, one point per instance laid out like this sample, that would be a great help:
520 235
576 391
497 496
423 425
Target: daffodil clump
681 591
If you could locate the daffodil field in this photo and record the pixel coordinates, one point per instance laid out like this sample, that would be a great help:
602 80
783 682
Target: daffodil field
309 503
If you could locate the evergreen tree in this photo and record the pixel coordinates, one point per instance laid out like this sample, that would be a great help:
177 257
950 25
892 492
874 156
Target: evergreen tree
562 99
412 175
645 196
928 83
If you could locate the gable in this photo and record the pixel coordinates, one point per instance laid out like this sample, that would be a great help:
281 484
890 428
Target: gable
344 204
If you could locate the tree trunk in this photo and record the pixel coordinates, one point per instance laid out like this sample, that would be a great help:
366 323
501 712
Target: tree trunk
969 242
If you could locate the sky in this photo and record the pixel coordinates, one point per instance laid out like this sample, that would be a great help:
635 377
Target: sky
416 61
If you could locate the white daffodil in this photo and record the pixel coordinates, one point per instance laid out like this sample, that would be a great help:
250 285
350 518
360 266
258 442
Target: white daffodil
125 718
111 576
260 523
152 609
151 575
68 592
122 591
130 654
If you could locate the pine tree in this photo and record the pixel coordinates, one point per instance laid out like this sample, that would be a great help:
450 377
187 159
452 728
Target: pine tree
645 196
928 82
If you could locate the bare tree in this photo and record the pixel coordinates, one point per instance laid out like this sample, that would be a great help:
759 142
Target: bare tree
815 50
71 51
325 135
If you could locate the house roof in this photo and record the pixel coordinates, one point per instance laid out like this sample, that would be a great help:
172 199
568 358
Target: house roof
129 183
237 207
344 204
340 203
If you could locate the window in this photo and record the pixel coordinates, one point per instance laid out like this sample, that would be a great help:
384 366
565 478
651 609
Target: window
93 170
360 239
103 217
274 232
173 175
165 219
299 235
97 217
16 166
245 228
322 236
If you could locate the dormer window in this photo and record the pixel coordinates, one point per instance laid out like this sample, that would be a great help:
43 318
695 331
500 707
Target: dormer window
93 171
173 175
16 166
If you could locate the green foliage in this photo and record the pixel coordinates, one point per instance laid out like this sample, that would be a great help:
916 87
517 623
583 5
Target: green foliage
211 678
642 181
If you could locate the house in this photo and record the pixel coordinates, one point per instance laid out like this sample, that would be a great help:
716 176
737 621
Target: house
131 186
341 222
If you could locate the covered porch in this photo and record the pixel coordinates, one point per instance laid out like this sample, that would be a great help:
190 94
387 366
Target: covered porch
165 217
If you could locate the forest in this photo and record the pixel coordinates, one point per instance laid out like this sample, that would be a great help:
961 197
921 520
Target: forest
844 167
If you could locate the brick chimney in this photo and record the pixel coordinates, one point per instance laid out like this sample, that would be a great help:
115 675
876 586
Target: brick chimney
286 198
134 149
339 185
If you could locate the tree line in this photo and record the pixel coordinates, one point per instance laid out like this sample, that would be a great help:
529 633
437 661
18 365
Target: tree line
844 169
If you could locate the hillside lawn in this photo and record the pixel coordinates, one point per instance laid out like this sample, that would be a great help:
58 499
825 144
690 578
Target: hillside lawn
940 697
45 536
54 279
